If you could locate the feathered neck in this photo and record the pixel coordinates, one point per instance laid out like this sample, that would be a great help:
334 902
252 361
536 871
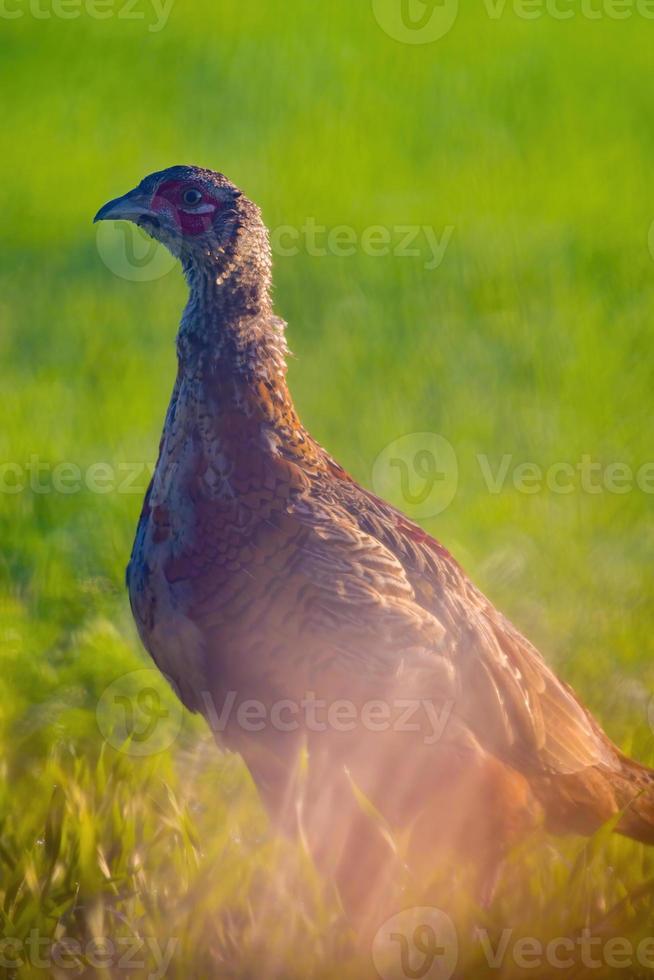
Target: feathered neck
228 326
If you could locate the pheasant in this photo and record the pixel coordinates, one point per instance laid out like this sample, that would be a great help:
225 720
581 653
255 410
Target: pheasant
370 687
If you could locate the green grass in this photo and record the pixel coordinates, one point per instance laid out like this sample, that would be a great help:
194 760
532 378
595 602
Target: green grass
532 338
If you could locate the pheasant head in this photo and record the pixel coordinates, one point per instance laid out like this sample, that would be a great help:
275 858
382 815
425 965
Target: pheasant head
210 225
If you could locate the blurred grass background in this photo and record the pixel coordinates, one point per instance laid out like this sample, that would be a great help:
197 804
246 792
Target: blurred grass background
533 139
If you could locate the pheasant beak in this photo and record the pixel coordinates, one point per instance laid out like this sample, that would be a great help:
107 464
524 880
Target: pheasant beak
134 206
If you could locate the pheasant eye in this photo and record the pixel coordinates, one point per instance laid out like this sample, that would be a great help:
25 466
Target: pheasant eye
192 197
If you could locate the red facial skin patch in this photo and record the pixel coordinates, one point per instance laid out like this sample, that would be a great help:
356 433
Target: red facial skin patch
190 219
